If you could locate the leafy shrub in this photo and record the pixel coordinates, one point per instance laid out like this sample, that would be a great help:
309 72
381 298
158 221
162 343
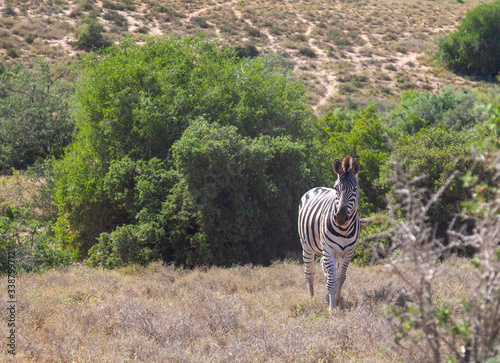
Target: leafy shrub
122 5
246 191
89 35
252 31
404 82
308 52
248 51
474 47
456 110
126 244
34 114
346 88
202 23
301 37
234 201
135 102
116 18
143 30
335 36
12 52
365 137
437 152
366 252
24 241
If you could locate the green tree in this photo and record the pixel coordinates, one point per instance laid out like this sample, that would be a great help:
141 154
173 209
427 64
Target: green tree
365 138
234 200
475 47
134 103
35 121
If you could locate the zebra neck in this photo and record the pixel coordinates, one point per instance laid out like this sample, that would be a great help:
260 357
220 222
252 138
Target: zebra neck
347 231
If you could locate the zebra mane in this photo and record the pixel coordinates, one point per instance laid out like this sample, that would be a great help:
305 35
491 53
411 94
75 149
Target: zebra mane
347 163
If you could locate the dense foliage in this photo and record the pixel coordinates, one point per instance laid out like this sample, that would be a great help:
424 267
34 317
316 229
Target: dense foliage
25 219
35 121
436 153
475 48
363 136
455 110
188 152
429 135
119 181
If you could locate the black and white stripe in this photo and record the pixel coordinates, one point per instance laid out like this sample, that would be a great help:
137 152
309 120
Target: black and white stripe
329 226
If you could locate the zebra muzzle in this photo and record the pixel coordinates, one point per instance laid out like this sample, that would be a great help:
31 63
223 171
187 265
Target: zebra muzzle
341 217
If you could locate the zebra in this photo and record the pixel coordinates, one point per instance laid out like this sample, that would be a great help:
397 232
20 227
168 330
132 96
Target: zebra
329 226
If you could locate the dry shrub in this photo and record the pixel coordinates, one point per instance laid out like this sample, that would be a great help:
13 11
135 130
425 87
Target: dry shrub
7 22
466 328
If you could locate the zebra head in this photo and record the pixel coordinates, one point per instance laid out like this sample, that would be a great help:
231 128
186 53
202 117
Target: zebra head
347 188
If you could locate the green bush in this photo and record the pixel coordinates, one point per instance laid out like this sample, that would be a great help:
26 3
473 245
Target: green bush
116 18
134 103
35 121
308 52
475 47
436 153
246 191
234 201
202 23
363 135
89 35
28 243
366 252
247 51
251 31
126 244
455 110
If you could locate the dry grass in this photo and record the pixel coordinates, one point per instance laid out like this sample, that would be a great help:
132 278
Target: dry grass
246 313
368 33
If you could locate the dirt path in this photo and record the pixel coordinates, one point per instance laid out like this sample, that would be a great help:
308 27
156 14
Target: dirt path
207 8
328 80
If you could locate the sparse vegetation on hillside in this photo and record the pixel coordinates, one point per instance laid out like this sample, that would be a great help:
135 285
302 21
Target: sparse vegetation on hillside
372 35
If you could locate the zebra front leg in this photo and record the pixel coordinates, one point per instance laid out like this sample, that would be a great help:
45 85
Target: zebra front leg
342 272
329 266
308 257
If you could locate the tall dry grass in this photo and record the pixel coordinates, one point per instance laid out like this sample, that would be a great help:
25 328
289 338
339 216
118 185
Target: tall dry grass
246 313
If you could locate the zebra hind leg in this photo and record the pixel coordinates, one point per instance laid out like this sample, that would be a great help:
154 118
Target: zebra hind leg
308 257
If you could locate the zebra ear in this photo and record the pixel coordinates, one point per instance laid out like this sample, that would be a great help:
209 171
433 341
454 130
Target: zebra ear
355 166
337 166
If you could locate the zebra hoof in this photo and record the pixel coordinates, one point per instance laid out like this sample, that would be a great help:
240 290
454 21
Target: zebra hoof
330 306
